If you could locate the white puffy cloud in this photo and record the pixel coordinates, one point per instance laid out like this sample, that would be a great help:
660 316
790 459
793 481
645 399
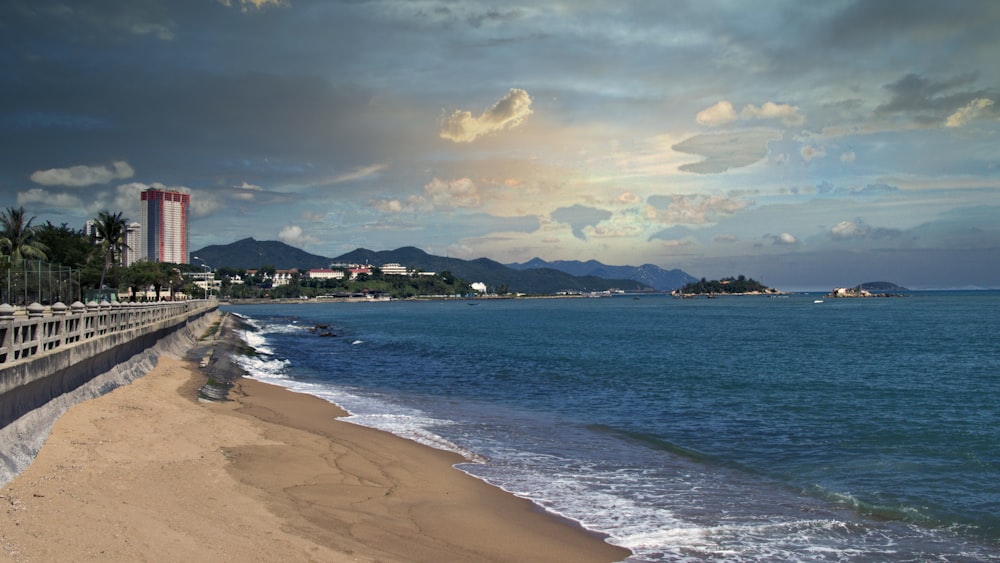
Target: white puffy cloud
848 156
784 239
295 236
618 226
848 229
413 204
789 115
455 193
38 195
858 229
719 114
387 205
723 113
693 209
246 191
975 109
203 202
126 197
77 176
462 127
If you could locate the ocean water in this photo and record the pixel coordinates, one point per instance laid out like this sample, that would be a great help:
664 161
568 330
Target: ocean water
735 429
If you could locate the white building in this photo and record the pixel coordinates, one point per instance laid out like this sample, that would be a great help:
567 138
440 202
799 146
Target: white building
283 277
133 240
394 269
325 274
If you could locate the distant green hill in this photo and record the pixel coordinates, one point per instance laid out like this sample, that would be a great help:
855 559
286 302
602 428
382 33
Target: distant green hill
249 254
493 274
879 287
647 274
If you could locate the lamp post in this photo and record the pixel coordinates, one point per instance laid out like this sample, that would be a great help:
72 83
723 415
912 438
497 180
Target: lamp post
208 269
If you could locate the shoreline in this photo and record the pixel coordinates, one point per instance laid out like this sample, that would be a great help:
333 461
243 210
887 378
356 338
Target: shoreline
150 472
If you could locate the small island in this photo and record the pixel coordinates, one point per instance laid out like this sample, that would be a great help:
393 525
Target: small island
740 285
868 289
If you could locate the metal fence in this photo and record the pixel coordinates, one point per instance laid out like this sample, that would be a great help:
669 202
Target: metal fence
35 281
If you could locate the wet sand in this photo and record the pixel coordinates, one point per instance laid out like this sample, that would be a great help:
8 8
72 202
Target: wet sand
149 473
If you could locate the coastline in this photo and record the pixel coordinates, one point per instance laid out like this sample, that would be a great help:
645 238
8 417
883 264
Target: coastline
149 472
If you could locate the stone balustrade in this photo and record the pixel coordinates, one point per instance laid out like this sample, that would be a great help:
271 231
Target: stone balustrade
40 331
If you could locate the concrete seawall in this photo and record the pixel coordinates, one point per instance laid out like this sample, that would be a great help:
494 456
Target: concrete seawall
65 358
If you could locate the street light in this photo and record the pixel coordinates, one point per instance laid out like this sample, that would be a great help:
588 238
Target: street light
208 269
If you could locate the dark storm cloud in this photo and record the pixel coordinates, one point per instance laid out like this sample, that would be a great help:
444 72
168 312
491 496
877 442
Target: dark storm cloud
865 24
929 101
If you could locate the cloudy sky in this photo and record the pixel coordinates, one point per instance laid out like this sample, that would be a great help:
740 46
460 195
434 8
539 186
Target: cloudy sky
807 144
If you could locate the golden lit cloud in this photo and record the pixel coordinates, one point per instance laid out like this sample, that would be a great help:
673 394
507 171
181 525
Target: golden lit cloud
976 109
462 127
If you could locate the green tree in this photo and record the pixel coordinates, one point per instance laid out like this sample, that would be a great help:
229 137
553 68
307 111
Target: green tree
111 229
66 246
142 274
18 237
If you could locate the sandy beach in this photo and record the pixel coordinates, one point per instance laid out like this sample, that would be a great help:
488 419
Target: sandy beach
150 473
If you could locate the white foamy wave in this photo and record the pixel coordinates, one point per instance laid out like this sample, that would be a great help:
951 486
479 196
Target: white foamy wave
256 340
380 414
287 328
415 428
262 367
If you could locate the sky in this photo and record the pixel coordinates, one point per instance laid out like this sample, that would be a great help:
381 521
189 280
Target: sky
805 144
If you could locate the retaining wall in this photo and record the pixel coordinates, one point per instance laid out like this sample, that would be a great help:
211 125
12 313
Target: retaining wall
48 362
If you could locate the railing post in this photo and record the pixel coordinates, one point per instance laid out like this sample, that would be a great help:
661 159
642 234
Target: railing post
6 331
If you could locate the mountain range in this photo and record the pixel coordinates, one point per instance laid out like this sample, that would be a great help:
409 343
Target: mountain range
534 276
647 274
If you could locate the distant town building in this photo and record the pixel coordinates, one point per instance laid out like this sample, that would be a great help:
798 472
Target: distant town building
164 235
325 274
283 277
394 269
90 229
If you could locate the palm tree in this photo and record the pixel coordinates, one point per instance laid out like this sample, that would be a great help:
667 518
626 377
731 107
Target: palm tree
111 229
19 238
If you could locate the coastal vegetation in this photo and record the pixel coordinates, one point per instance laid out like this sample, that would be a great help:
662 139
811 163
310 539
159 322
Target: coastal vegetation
18 237
249 253
257 284
48 263
739 285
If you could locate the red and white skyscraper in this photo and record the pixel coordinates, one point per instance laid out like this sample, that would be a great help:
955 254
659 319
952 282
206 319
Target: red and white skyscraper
164 226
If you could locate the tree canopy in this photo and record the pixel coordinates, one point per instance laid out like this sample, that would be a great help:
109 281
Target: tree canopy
18 237
725 286
110 233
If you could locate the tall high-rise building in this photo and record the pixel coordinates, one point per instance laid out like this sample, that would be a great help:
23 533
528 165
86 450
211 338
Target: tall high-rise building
164 226
133 238
133 241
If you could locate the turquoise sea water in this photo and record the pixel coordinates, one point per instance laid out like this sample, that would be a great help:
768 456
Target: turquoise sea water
738 428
